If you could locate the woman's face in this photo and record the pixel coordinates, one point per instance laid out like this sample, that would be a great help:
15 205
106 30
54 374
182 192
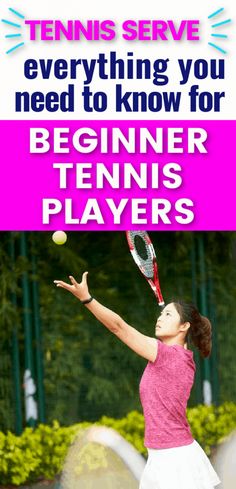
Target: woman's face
168 323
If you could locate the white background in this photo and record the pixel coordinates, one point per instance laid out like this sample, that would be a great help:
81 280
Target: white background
11 66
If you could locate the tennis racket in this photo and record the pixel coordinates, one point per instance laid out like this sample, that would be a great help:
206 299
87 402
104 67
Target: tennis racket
143 253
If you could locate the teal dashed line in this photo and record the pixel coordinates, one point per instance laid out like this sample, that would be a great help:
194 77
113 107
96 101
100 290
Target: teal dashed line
10 23
15 47
217 47
13 35
221 23
16 13
215 13
219 35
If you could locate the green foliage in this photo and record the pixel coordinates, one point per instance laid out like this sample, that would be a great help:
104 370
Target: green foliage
10 274
210 424
40 453
35 454
131 428
9 322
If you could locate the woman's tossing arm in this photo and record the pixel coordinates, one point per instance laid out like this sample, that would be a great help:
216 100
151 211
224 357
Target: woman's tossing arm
143 345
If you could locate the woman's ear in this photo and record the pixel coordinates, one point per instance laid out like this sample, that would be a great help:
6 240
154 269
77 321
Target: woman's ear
185 326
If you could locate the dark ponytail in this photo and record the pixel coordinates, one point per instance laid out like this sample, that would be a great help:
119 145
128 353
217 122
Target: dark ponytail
200 327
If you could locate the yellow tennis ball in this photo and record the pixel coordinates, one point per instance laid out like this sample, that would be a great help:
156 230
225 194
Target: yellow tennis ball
59 237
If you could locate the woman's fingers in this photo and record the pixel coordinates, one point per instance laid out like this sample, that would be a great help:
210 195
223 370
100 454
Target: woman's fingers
83 281
73 281
64 285
84 277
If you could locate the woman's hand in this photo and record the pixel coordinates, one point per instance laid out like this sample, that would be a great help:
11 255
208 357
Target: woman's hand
142 345
79 290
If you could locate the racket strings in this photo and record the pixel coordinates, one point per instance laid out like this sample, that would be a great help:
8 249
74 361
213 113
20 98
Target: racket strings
141 247
142 251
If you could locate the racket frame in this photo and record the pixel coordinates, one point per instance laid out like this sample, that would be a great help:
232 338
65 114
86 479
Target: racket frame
154 283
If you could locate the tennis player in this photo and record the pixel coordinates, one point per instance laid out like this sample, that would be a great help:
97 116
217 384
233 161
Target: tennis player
175 459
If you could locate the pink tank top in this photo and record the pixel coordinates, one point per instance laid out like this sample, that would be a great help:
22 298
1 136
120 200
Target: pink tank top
165 388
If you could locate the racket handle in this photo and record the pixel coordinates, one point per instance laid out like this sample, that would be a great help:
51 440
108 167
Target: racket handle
161 305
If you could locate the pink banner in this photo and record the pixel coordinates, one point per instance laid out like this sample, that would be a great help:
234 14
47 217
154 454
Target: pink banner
154 175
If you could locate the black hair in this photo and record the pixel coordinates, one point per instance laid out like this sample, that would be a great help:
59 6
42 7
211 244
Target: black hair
200 330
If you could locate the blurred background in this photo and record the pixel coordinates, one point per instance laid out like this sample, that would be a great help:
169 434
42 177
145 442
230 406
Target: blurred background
69 366
61 371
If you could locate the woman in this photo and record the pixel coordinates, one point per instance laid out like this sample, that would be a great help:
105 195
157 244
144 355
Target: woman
175 459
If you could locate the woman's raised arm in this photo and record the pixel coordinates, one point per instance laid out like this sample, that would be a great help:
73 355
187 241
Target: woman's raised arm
143 345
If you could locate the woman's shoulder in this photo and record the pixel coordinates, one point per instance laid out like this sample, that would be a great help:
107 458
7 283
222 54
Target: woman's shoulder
174 352
174 347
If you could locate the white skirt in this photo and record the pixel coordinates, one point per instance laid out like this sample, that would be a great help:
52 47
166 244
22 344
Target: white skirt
185 467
